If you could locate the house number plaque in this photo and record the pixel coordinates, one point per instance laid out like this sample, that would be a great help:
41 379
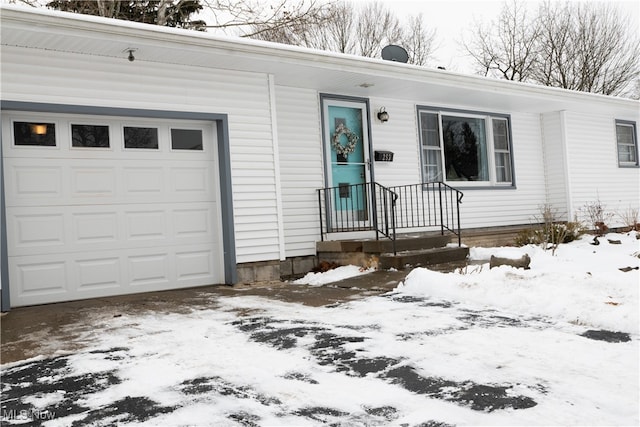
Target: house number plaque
383 156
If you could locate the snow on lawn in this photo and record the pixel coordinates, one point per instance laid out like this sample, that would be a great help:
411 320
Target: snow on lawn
487 347
582 283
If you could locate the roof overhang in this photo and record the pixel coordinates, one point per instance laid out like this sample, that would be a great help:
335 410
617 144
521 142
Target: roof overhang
323 71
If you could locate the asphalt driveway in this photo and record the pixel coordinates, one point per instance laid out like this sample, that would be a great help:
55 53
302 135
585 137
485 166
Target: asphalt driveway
355 353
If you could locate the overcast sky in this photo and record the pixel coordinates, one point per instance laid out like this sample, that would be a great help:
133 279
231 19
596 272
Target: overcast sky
452 17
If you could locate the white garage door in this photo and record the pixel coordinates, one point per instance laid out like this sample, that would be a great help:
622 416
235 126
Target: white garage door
100 206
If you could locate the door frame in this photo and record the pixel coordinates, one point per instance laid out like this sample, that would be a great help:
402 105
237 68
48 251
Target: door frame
325 101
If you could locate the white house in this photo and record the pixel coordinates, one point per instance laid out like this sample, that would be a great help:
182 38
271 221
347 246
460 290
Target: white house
139 158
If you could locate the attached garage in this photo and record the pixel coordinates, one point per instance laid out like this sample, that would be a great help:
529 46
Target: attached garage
109 204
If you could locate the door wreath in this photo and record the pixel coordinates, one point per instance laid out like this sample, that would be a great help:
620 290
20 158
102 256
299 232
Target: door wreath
352 140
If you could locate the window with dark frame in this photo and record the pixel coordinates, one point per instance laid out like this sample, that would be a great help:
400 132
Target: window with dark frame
627 142
186 139
89 136
34 134
141 137
456 147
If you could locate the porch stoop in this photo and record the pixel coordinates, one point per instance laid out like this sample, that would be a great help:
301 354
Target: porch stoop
412 250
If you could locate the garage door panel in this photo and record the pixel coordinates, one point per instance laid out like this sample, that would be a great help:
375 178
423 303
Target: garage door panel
93 182
30 229
194 265
146 225
91 228
26 180
143 181
33 279
98 274
149 269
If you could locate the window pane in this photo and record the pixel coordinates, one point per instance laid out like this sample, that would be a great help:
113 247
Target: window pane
624 134
429 127
433 168
500 136
186 139
38 134
89 136
503 167
135 137
626 154
465 149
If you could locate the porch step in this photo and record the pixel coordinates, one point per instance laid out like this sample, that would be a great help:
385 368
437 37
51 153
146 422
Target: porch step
406 243
403 243
424 257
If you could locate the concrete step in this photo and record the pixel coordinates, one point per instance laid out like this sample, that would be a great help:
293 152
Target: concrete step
404 242
425 257
409 243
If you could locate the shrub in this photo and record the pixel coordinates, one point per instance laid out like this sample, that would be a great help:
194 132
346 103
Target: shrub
551 232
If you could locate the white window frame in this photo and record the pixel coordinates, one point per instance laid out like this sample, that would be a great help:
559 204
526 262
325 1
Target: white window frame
488 118
633 145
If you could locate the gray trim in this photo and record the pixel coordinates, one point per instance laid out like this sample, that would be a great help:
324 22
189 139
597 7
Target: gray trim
5 301
436 109
226 203
224 166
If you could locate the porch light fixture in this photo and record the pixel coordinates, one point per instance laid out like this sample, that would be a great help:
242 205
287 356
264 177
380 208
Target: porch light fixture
38 129
383 116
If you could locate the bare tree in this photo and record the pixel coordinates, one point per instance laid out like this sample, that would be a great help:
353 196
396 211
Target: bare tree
343 27
418 40
581 46
506 47
251 18
587 47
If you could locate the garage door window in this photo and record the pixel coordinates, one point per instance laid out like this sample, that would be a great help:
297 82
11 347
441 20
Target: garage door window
139 137
34 134
186 139
90 136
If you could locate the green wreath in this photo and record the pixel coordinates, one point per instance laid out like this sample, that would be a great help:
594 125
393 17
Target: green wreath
352 140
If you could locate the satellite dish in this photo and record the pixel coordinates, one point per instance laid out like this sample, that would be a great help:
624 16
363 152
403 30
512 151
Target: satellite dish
395 53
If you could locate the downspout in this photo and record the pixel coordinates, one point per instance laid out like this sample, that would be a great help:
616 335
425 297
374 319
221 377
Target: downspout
276 164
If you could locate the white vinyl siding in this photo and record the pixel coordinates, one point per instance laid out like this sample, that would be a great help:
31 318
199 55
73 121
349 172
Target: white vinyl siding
593 166
398 135
555 164
117 83
301 174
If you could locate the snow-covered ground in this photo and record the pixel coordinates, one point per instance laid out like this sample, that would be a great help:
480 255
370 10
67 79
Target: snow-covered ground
481 346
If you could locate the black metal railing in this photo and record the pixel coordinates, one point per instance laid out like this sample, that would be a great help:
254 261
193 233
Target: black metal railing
433 204
371 206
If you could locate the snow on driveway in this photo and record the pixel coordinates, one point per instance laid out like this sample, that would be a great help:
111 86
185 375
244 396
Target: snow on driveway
554 345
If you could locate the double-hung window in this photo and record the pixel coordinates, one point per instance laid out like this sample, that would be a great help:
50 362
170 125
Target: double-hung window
471 147
627 142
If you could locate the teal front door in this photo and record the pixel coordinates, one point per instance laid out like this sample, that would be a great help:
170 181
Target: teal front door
347 158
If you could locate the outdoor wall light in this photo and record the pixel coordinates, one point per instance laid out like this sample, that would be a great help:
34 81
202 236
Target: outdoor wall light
383 116
130 50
